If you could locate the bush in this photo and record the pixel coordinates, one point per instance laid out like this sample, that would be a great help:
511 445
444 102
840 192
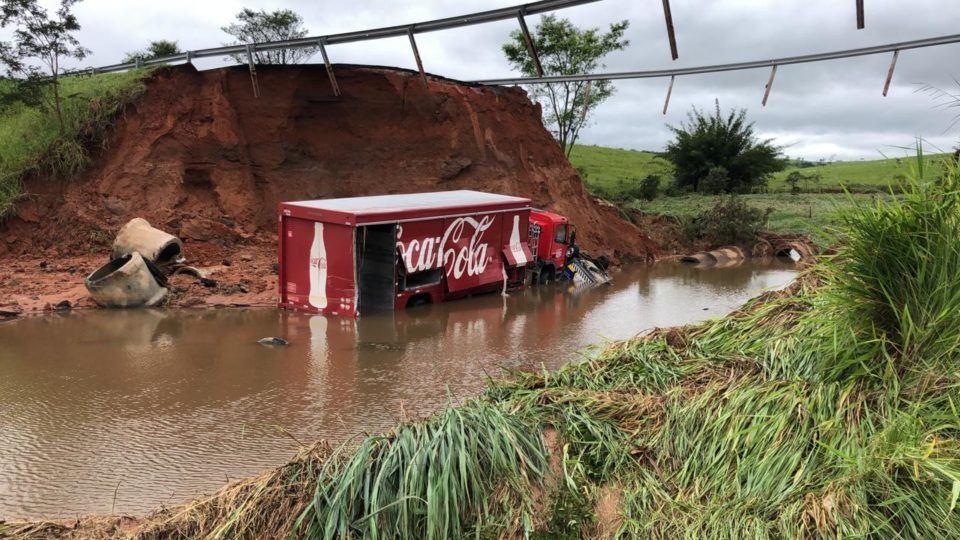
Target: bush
649 187
708 142
716 181
676 190
730 221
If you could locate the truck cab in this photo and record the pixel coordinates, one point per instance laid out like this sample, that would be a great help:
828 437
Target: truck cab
549 240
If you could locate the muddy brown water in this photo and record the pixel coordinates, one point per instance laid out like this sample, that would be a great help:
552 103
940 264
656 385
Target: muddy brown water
131 410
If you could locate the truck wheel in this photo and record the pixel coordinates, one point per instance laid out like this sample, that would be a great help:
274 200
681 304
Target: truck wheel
547 275
418 300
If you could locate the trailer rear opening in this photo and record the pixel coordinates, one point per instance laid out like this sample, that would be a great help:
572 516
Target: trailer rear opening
363 254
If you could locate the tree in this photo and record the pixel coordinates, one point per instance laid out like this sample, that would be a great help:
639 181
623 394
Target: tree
38 37
564 49
261 26
156 49
716 142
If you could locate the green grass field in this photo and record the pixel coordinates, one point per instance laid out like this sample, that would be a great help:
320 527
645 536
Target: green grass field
867 175
31 141
611 171
815 214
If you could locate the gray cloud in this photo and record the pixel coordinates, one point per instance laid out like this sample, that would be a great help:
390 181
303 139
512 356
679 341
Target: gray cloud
819 110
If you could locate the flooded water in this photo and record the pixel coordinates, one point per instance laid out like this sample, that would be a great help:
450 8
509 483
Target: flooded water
130 410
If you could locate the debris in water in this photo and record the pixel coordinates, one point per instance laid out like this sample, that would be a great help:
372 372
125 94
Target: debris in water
128 281
273 342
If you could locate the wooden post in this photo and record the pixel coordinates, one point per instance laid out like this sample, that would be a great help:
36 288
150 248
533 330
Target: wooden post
860 19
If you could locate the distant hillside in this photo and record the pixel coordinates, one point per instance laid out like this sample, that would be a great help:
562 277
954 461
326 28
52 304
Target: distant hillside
867 175
610 171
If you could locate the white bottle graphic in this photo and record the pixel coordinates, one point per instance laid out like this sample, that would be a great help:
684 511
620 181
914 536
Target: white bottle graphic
515 246
318 269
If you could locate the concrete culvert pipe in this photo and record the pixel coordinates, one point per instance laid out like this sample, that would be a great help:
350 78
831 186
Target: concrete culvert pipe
126 282
155 245
702 257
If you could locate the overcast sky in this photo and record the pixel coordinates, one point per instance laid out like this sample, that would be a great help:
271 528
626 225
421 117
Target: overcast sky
830 110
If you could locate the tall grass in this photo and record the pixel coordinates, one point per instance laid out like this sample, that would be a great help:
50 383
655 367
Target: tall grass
31 142
433 479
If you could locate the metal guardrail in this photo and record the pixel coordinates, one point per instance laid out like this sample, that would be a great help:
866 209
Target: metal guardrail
511 12
771 63
651 74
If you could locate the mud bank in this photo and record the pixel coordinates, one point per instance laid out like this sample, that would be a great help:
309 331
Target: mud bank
201 157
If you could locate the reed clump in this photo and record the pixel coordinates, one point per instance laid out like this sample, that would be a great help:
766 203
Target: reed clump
828 409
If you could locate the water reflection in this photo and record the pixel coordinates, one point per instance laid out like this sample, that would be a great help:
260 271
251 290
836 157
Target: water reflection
169 404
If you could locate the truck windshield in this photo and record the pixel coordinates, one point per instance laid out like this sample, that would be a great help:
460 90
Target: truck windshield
561 235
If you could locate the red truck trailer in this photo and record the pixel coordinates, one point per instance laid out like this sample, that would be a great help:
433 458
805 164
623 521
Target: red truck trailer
362 254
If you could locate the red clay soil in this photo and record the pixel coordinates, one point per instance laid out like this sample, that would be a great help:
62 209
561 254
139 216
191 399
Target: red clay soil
200 157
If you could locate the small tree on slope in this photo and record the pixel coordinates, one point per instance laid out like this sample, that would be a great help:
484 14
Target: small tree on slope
262 26
156 49
38 37
564 49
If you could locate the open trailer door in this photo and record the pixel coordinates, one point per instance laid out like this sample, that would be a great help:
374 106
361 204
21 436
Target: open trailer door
376 267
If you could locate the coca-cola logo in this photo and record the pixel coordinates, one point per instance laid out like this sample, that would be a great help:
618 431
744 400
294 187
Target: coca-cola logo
319 263
448 251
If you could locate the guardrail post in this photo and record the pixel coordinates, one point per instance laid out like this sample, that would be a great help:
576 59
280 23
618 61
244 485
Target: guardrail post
666 102
139 62
326 62
253 71
766 91
671 35
189 57
893 64
416 55
529 41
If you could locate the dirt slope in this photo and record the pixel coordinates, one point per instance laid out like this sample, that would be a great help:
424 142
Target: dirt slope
201 157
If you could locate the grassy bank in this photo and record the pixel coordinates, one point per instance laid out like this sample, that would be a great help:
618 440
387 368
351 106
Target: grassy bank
826 410
31 141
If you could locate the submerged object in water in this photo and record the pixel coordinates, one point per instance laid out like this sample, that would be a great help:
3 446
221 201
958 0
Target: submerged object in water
727 256
273 342
586 272
127 281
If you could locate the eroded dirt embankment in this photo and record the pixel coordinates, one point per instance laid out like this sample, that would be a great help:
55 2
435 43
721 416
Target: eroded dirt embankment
199 156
